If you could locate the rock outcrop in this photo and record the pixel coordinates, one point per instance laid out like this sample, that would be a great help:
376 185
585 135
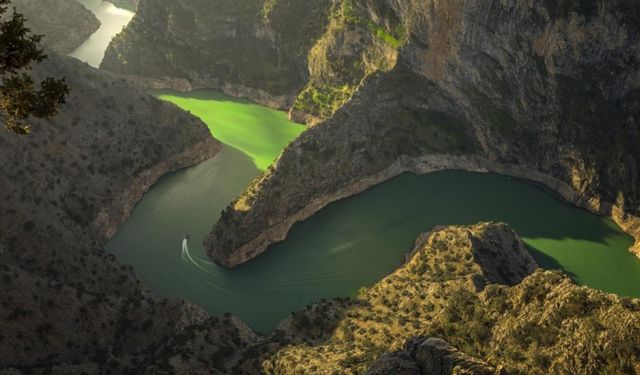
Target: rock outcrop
548 92
67 306
429 356
65 24
448 311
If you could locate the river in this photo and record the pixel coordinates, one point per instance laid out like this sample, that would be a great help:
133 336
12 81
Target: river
351 243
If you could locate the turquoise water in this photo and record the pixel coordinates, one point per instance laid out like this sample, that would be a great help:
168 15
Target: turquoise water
353 242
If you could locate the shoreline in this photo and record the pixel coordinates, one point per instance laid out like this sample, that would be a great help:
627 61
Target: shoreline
121 207
277 102
424 165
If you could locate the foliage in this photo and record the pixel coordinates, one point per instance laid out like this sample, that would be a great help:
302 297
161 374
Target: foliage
352 48
394 39
323 100
19 98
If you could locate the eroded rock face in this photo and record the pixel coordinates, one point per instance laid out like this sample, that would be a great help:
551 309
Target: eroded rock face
241 47
445 312
510 87
66 24
66 305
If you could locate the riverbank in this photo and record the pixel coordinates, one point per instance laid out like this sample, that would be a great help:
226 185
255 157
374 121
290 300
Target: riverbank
422 165
185 86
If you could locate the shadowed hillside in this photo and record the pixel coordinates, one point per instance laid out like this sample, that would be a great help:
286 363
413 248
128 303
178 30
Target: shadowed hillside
65 24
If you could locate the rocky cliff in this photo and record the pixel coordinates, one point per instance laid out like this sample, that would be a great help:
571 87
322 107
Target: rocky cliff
66 24
67 306
247 48
470 300
547 91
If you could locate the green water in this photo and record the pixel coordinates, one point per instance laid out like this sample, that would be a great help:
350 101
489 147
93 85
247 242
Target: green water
259 132
351 243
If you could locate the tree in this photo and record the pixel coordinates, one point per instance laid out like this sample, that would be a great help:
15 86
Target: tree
19 98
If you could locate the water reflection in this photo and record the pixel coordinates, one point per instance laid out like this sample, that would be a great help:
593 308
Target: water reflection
112 21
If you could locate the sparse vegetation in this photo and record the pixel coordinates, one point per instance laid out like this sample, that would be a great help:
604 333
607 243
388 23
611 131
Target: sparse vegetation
335 75
535 327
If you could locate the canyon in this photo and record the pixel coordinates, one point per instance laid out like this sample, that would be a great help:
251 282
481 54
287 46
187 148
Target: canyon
547 91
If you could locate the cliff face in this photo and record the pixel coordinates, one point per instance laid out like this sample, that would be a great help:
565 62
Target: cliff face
471 300
66 24
548 92
68 307
308 57
244 47
92 161
131 5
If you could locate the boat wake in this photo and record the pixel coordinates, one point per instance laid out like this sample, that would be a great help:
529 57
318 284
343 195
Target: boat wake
186 256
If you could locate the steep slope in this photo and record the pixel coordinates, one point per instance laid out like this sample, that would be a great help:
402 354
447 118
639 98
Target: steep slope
246 48
312 71
475 287
68 307
66 24
546 92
